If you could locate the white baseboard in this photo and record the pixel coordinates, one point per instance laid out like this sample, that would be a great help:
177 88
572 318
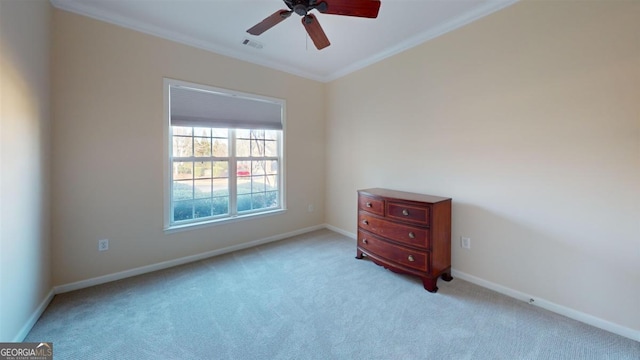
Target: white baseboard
340 231
548 305
551 306
175 262
34 317
146 269
545 304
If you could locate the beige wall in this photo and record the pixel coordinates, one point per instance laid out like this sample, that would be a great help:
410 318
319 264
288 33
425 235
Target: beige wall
24 164
108 147
530 120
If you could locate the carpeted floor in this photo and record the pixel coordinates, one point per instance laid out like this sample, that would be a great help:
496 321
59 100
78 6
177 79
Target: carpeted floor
308 298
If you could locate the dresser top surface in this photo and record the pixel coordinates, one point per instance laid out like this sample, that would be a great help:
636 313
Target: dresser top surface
403 195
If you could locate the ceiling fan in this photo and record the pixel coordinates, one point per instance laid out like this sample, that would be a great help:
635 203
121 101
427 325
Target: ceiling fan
359 8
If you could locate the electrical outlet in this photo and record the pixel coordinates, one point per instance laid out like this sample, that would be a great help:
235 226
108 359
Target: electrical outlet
465 242
310 208
103 245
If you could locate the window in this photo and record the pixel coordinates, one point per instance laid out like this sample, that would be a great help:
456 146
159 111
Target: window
224 153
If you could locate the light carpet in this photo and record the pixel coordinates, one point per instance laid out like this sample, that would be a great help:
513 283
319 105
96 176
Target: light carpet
307 297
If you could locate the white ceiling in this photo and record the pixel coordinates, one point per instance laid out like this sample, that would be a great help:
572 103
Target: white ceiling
220 26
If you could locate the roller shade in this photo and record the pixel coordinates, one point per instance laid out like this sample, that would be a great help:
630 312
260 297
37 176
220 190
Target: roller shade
195 107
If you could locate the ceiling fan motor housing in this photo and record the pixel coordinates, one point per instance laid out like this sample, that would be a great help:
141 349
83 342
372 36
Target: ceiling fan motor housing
302 7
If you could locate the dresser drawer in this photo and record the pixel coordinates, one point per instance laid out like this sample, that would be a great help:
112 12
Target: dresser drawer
413 259
370 204
404 212
406 234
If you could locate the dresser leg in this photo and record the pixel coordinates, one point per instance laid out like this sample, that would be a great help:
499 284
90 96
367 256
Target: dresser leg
430 284
447 277
358 254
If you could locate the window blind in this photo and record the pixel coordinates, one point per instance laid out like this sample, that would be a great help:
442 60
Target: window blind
201 108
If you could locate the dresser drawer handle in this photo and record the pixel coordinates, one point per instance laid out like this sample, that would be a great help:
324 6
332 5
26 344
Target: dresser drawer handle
405 212
369 204
412 235
366 222
365 241
410 258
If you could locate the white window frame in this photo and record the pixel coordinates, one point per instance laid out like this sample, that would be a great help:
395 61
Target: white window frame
169 224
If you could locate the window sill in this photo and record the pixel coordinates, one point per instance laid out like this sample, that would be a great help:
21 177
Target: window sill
202 224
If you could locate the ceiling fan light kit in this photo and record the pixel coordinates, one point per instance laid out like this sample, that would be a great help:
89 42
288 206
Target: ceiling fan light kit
358 8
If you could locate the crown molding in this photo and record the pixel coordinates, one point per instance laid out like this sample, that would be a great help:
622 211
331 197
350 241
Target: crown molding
423 37
420 38
97 14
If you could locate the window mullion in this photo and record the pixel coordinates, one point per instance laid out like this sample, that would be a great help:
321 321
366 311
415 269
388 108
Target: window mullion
171 183
233 170
193 175
211 180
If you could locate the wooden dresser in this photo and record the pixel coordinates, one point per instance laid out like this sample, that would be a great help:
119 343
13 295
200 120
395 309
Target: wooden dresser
406 233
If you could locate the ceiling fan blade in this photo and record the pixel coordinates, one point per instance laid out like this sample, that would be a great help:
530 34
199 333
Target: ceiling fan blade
360 8
269 22
315 31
